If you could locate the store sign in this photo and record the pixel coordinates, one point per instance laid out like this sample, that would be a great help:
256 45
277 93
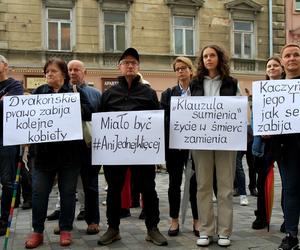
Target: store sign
32 82
109 82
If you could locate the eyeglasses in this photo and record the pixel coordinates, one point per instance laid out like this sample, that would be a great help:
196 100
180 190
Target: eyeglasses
127 63
181 68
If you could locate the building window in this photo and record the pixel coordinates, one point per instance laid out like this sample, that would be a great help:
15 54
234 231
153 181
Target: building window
114 31
243 39
184 31
298 5
59 23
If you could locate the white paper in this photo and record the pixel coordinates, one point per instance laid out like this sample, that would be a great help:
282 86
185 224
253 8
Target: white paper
128 138
209 122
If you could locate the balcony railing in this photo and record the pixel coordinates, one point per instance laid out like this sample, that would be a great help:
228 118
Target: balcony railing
247 65
67 56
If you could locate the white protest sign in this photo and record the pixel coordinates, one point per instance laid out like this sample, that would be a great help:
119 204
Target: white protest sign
41 118
276 107
209 122
128 138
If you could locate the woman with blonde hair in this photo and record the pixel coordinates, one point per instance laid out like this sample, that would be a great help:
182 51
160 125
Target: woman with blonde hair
176 159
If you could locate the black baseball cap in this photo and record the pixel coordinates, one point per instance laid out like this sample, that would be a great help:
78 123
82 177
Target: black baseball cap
130 52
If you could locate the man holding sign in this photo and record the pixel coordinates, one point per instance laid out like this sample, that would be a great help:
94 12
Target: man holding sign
288 146
8 154
130 95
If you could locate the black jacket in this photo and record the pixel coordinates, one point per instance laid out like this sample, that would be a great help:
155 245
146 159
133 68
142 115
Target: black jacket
228 87
165 102
281 143
54 155
138 97
8 87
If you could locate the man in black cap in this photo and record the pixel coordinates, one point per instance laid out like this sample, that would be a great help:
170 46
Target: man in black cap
130 95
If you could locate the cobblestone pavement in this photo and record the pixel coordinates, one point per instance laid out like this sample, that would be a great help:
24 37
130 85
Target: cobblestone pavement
133 230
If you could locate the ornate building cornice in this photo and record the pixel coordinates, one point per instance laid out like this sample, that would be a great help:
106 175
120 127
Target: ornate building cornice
244 5
59 3
184 7
185 3
123 5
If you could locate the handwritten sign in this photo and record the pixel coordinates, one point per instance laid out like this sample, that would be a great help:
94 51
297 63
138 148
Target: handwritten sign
215 123
276 107
128 138
41 118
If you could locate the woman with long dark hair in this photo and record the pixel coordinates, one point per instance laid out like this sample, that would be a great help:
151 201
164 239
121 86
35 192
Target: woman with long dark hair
213 79
261 150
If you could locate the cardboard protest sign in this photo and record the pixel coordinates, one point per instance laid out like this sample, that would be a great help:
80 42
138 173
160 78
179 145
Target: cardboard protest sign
128 138
41 118
209 122
276 107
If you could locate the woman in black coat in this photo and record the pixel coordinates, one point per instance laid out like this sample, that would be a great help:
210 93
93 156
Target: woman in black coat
59 159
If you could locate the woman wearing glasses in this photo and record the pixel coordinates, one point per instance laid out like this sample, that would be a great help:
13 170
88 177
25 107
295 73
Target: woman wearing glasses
176 158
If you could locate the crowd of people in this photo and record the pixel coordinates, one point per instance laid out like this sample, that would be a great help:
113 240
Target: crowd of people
218 171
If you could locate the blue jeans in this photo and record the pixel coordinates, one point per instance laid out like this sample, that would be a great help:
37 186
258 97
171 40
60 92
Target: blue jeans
240 180
8 164
290 173
42 182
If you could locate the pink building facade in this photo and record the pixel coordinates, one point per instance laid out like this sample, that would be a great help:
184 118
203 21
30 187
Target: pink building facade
292 21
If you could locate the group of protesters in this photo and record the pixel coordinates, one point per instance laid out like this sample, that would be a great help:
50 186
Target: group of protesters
66 160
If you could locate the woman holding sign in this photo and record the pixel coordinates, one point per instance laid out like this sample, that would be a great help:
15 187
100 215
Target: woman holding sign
176 159
59 158
213 79
263 158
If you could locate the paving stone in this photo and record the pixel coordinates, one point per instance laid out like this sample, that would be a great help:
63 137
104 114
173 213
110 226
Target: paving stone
133 230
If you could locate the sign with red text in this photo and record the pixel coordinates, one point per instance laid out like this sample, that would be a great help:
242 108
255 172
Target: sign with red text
276 107
41 118
128 138
208 122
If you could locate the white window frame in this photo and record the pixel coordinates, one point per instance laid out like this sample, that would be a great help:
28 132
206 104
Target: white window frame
60 22
184 28
115 25
243 33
